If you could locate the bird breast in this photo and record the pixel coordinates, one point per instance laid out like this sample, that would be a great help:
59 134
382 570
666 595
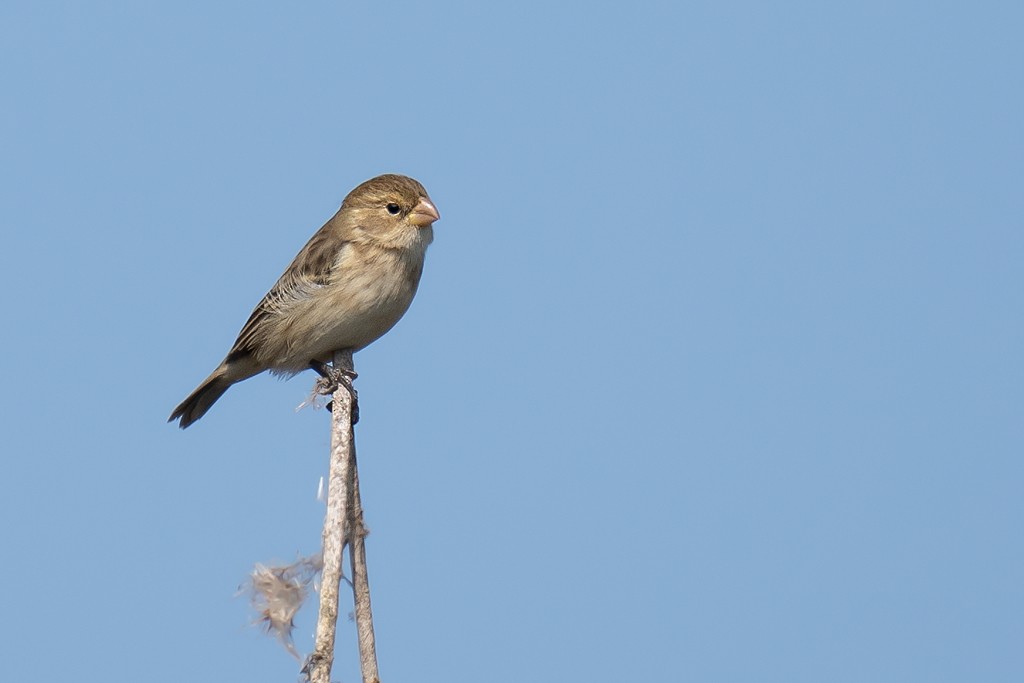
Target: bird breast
369 291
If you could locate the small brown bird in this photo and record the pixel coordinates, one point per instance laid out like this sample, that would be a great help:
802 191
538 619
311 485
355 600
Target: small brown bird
348 286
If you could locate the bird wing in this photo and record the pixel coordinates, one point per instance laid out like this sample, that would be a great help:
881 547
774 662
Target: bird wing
312 268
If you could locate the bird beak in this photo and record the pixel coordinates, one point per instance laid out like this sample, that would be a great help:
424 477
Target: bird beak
424 213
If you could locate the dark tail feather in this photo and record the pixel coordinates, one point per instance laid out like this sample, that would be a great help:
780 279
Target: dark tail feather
200 400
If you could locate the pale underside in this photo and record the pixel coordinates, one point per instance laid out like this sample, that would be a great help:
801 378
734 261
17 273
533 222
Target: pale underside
368 290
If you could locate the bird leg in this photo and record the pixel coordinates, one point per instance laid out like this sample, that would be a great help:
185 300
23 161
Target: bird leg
331 378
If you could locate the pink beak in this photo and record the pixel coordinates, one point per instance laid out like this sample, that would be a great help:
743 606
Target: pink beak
424 213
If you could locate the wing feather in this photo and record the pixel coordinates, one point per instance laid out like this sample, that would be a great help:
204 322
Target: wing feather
312 268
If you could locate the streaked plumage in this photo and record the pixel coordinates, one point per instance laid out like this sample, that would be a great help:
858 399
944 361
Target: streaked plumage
350 284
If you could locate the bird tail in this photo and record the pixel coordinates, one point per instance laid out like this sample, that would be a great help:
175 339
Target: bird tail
200 400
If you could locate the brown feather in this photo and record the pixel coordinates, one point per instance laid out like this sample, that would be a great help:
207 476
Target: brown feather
350 283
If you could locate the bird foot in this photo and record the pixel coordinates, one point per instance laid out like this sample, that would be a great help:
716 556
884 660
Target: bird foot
331 378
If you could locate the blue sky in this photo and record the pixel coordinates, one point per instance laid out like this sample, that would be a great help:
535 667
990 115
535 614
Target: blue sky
715 372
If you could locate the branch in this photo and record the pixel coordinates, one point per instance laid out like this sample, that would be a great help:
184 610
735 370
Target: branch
343 524
360 582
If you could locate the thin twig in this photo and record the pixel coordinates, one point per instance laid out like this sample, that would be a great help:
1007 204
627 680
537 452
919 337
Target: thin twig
318 666
360 582
343 525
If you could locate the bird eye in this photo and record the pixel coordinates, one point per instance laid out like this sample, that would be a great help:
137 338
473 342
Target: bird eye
393 209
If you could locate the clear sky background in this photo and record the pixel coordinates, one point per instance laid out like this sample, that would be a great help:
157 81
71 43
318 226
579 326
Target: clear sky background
715 372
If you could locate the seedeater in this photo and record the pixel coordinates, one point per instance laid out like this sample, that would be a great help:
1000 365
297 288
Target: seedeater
348 286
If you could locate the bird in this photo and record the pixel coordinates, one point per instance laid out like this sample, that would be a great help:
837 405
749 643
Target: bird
349 285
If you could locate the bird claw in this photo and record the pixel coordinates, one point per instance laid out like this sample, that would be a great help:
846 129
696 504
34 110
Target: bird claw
331 378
